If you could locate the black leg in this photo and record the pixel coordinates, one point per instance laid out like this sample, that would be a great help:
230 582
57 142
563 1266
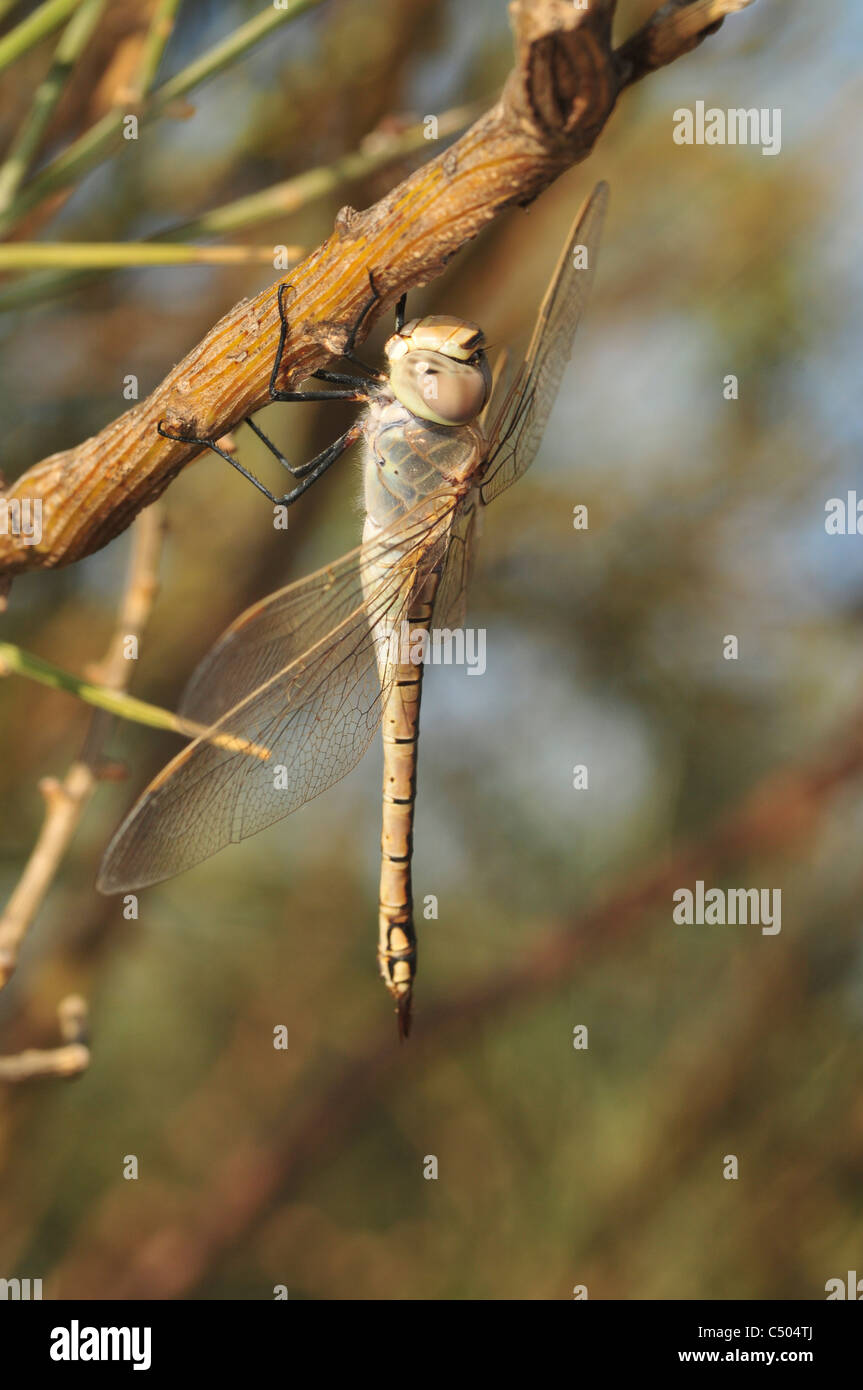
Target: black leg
299 472
348 352
348 349
340 379
367 307
354 388
320 464
276 395
283 333
309 472
319 395
208 444
351 356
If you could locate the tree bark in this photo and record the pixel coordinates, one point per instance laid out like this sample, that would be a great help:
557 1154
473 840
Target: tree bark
555 103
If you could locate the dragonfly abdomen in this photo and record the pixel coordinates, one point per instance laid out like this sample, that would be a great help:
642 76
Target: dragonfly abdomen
397 949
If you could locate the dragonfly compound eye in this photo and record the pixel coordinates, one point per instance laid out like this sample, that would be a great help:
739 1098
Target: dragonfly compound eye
441 388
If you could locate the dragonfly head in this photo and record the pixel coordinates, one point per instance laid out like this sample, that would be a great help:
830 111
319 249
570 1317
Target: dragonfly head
439 370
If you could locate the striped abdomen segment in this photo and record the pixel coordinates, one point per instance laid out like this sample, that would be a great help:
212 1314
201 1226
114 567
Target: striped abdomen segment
397 954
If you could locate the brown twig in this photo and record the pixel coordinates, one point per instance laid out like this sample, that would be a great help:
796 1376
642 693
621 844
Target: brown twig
555 103
64 805
65 801
70 1059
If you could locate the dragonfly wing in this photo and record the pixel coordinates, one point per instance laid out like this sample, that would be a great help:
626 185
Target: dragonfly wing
301 729
501 380
268 636
519 427
450 607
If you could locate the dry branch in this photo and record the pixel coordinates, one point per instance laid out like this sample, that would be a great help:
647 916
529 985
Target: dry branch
564 86
69 1059
65 803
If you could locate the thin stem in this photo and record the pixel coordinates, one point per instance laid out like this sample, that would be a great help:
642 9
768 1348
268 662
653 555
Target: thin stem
70 1059
33 29
223 54
99 141
66 800
278 201
25 146
20 663
108 255
161 29
284 198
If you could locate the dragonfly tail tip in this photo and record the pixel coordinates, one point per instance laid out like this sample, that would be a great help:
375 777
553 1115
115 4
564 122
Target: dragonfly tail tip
403 1017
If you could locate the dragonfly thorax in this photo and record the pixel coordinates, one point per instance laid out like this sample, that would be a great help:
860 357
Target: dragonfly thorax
439 370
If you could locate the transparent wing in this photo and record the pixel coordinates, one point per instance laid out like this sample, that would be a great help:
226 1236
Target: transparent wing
501 372
268 636
450 607
291 728
519 427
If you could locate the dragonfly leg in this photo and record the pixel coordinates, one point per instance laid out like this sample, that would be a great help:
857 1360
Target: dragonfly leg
359 383
309 472
366 309
275 393
299 471
348 349
349 354
210 444
280 350
356 383
196 439
352 395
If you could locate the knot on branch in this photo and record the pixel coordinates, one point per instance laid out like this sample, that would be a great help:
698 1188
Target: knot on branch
563 86
565 83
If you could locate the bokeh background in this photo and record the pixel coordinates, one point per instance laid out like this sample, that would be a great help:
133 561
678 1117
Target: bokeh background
557 1167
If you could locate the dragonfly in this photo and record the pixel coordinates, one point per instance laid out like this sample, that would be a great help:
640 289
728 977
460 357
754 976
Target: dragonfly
292 694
